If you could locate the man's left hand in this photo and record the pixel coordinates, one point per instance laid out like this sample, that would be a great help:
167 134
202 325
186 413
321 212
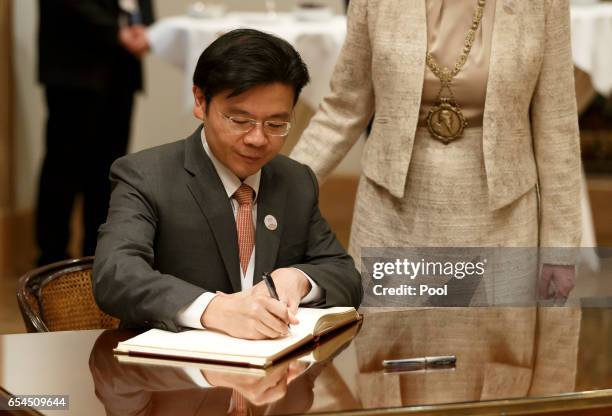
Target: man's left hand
257 389
134 39
291 286
556 281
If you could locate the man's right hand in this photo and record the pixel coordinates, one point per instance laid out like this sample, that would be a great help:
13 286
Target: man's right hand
248 316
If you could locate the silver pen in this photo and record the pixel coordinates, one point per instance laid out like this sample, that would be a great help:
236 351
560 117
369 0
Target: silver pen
441 361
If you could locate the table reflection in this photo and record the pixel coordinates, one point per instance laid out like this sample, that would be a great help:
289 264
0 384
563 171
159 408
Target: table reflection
143 386
501 353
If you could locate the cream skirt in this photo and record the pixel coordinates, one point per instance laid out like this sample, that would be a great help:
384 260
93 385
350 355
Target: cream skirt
446 205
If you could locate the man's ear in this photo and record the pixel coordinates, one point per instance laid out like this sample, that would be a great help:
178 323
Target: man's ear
199 103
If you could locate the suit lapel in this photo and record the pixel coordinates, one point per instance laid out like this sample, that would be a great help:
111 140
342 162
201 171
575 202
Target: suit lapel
494 81
517 48
271 201
207 189
400 49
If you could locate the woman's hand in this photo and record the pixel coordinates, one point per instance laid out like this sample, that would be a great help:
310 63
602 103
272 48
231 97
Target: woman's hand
556 281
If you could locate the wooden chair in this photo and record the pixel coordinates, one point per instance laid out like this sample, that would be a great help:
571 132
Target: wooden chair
59 297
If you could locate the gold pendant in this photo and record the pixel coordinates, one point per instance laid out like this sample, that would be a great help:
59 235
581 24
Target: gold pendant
445 121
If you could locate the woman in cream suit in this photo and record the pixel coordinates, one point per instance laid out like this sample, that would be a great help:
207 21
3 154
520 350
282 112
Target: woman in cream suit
508 177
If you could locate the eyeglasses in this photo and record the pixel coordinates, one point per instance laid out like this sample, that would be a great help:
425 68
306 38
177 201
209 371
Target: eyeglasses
241 124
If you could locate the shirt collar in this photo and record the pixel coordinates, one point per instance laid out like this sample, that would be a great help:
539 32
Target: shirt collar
230 181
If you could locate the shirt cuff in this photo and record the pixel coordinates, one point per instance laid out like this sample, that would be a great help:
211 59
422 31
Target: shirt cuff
190 316
315 294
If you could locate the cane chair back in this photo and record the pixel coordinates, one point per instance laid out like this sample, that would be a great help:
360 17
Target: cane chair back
59 297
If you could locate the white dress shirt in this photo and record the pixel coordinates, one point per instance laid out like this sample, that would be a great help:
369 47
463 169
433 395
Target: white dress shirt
189 316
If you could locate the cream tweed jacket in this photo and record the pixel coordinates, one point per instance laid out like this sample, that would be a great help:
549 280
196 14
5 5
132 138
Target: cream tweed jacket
530 125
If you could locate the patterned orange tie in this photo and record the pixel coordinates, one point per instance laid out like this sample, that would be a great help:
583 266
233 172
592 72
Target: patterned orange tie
244 224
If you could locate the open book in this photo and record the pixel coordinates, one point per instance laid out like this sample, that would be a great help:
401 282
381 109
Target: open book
214 346
312 353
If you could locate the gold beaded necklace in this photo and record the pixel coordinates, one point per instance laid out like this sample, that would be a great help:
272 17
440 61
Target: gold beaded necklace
445 120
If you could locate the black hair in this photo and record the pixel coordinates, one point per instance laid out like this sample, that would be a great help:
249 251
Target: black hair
246 58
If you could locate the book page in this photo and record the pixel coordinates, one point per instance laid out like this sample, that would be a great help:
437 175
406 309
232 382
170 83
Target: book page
321 321
211 342
309 317
205 341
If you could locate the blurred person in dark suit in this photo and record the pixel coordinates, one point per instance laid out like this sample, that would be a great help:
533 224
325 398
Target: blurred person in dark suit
89 64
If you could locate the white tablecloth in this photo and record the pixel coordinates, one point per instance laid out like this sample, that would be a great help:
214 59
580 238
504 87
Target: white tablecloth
180 40
592 44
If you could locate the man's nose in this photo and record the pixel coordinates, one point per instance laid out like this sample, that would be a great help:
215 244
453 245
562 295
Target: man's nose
256 137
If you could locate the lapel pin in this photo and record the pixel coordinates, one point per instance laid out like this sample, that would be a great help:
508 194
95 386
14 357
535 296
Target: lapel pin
270 222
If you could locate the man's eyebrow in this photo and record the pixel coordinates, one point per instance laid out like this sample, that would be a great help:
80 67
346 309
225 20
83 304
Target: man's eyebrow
238 111
284 114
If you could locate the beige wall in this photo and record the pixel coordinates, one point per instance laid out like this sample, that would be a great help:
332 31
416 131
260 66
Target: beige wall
28 117
6 95
28 104
6 133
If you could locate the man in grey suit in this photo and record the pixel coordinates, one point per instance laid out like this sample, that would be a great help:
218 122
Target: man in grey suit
193 225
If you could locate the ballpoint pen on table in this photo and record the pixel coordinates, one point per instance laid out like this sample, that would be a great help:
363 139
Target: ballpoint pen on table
420 363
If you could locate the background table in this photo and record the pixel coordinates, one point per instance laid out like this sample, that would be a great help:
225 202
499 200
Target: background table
180 41
591 44
508 359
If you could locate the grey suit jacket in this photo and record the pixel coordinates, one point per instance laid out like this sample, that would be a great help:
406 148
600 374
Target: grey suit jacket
170 235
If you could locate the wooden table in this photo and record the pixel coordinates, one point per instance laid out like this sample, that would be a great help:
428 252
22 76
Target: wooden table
509 361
